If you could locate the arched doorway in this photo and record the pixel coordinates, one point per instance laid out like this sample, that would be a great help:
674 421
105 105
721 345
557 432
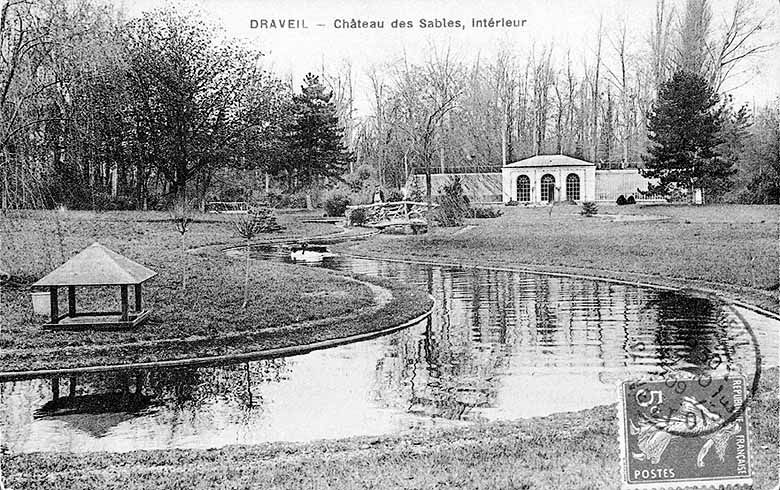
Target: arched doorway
523 189
547 190
573 187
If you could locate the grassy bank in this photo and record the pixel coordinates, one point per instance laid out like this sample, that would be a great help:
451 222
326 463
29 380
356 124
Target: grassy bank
564 451
731 249
289 305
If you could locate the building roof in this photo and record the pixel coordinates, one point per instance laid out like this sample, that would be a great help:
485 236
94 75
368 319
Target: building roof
97 266
549 161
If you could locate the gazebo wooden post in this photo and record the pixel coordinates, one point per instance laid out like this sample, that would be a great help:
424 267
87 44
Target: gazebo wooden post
137 298
72 301
53 304
139 382
55 388
125 303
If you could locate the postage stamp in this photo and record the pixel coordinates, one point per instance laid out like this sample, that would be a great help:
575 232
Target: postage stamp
681 433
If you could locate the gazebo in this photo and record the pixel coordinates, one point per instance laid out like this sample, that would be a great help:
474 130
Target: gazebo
96 266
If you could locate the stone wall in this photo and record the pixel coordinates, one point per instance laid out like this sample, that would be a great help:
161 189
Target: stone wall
482 187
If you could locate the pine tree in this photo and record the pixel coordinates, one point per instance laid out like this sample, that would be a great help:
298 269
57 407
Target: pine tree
315 137
683 128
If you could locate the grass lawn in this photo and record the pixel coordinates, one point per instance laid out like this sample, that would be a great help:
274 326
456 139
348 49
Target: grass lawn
564 451
731 249
204 319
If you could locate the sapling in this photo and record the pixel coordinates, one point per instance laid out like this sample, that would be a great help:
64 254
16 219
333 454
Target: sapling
181 214
247 228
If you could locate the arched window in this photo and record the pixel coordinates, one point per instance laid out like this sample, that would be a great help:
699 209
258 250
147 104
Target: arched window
548 188
523 188
573 187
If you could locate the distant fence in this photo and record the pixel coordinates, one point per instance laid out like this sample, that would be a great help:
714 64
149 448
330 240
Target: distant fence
234 207
496 168
616 165
474 169
638 197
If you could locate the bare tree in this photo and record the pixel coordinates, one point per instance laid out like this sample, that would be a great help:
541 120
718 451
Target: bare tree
427 94
25 38
659 43
503 88
380 109
621 82
717 52
342 87
596 94
543 80
739 41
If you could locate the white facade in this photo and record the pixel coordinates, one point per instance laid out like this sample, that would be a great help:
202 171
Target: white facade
546 178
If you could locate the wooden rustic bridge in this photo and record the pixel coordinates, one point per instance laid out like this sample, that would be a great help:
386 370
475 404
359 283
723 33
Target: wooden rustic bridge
386 214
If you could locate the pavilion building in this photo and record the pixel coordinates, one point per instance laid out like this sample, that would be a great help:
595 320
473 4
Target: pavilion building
547 178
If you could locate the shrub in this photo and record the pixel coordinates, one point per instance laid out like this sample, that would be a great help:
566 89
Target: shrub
231 194
450 212
416 193
621 200
115 203
364 172
512 202
589 209
394 196
454 206
454 188
353 182
297 200
99 201
485 212
357 217
336 205
263 221
630 200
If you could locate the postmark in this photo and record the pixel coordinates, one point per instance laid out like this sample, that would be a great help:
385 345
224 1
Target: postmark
689 427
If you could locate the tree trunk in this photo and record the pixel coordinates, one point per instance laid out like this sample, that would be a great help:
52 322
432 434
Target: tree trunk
6 161
246 278
181 182
428 196
183 263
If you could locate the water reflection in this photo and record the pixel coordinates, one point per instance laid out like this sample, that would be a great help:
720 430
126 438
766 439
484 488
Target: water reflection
500 345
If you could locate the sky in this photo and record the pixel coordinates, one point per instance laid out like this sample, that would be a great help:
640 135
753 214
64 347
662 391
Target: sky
565 25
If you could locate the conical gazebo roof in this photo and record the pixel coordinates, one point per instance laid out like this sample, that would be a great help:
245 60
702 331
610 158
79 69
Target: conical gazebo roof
97 265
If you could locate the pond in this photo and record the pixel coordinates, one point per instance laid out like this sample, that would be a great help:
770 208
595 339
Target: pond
499 346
